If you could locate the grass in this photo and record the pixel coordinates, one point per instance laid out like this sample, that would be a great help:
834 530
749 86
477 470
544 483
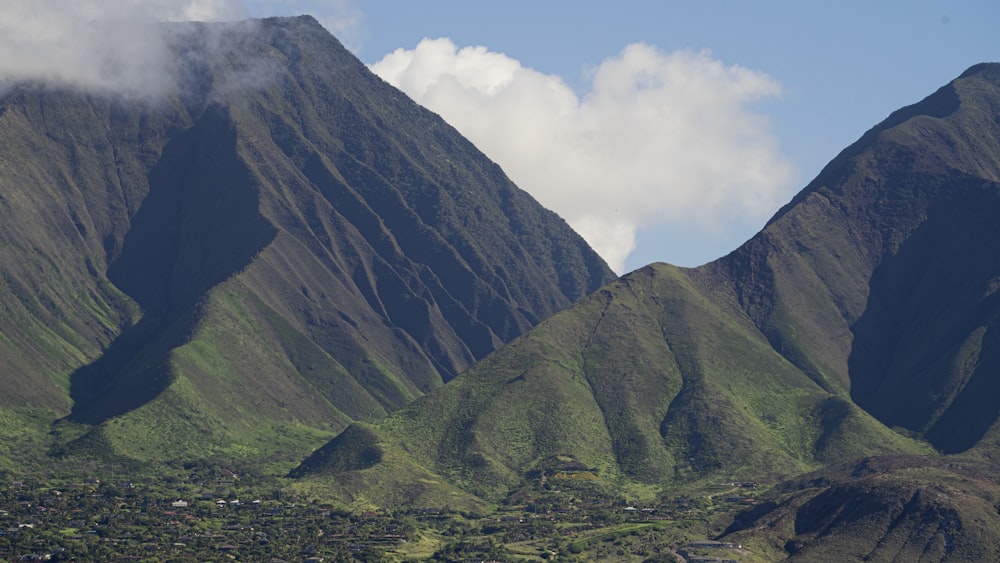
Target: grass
423 547
24 438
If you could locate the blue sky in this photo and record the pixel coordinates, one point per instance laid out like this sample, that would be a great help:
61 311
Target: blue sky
841 66
660 130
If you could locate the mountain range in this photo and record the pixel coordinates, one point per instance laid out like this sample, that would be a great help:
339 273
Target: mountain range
857 325
285 252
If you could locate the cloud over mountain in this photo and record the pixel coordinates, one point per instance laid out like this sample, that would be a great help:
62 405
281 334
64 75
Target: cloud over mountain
97 45
659 139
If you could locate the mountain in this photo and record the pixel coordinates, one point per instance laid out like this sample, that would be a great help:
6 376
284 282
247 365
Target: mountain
645 382
282 244
879 278
885 508
859 321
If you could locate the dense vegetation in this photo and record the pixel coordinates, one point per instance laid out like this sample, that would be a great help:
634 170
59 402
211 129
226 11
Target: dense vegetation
205 512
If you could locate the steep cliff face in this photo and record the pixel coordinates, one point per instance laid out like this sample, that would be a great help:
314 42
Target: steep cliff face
285 240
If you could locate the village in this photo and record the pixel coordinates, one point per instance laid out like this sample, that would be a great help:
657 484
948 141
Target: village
222 516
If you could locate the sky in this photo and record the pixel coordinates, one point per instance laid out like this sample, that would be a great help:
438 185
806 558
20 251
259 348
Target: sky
660 130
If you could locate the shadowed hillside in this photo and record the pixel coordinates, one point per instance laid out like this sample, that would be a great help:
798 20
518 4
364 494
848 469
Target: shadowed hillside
878 278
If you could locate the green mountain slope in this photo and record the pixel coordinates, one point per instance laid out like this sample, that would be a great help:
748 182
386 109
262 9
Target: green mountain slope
647 382
864 304
282 246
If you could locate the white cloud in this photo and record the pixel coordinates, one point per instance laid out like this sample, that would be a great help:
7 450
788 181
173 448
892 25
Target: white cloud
660 138
101 45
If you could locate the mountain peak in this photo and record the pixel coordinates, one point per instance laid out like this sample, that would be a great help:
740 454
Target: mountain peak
941 104
989 68
285 232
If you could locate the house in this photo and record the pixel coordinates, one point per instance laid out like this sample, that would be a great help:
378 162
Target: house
179 504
